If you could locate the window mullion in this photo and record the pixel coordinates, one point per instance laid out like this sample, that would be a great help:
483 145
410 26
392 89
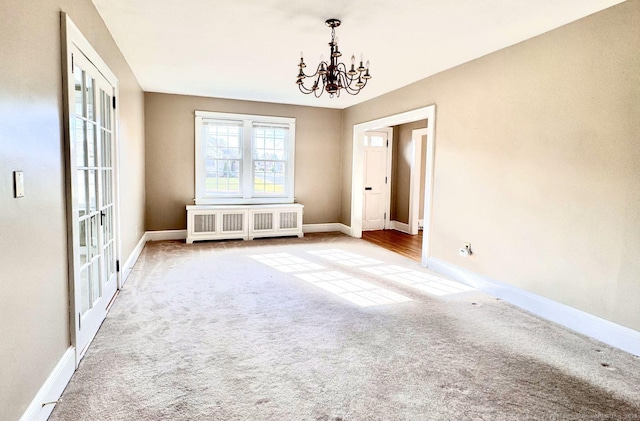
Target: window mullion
291 152
200 161
247 159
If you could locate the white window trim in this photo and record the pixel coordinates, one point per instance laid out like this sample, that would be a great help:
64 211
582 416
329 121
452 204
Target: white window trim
247 161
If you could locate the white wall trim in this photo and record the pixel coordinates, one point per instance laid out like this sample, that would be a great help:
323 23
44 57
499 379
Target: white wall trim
166 235
414 185
133 257
331 227
582 322
52 388
182 234
400 226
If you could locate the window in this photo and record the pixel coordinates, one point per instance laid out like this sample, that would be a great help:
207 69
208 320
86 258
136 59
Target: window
244 159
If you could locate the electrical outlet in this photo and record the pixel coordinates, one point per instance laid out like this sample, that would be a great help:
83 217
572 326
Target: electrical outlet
18 183
465 251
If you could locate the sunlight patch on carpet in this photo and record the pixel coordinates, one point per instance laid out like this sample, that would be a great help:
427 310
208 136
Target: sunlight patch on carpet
352 289
344 257
426 282
285 262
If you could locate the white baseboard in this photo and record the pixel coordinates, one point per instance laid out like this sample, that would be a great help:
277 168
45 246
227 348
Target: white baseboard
400 226
582 322
133 257
166 235
306 228
332 227
420 224
43 403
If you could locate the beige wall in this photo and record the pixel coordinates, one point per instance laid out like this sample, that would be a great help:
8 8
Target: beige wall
34 300
169 121
537 162
401 169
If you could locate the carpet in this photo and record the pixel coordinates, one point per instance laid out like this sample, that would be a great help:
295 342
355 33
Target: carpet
331 328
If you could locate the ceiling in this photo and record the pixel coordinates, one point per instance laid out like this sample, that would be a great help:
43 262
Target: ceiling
249 49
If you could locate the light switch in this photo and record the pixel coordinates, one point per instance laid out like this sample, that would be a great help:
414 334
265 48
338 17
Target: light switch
18 181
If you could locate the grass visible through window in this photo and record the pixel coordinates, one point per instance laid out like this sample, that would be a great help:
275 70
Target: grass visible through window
232 185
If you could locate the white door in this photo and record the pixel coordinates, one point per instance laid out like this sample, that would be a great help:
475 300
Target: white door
91 185
376 179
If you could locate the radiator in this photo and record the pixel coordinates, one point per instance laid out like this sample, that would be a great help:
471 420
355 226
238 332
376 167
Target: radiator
204 223
262 221
217 222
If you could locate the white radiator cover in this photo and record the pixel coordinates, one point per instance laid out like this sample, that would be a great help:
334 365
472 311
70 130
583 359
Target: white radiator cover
218 222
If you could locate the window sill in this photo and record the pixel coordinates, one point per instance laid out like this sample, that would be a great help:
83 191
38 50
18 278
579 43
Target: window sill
241 201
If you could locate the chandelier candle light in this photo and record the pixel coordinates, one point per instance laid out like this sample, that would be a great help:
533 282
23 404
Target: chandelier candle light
332 76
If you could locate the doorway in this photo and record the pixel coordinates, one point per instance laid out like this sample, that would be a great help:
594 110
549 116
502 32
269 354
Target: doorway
357 186
91 171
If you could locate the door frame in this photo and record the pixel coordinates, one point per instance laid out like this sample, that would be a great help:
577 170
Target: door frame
357 169
72 37
388 163
414 181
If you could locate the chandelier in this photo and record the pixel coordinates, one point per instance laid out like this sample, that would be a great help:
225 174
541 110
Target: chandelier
333 76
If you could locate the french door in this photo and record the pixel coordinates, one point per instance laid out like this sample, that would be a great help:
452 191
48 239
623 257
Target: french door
91 195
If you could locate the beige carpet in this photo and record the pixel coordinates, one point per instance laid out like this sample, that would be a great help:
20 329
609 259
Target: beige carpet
293 329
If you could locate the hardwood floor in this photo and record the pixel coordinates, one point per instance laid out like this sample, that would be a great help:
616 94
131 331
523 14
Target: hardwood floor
405 244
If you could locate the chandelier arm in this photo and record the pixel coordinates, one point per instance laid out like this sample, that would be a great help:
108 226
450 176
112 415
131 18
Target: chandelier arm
347 80
348 84
317 76
319 83
316 72
304 89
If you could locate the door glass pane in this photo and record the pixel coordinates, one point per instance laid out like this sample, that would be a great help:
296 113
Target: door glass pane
102 107
377 141
93 239
85 298
106 148
107 232
84 250
109 262
81 193
90 98
92 185
106 188
91 145
96 287
78 74
112 259
81 157
108 112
